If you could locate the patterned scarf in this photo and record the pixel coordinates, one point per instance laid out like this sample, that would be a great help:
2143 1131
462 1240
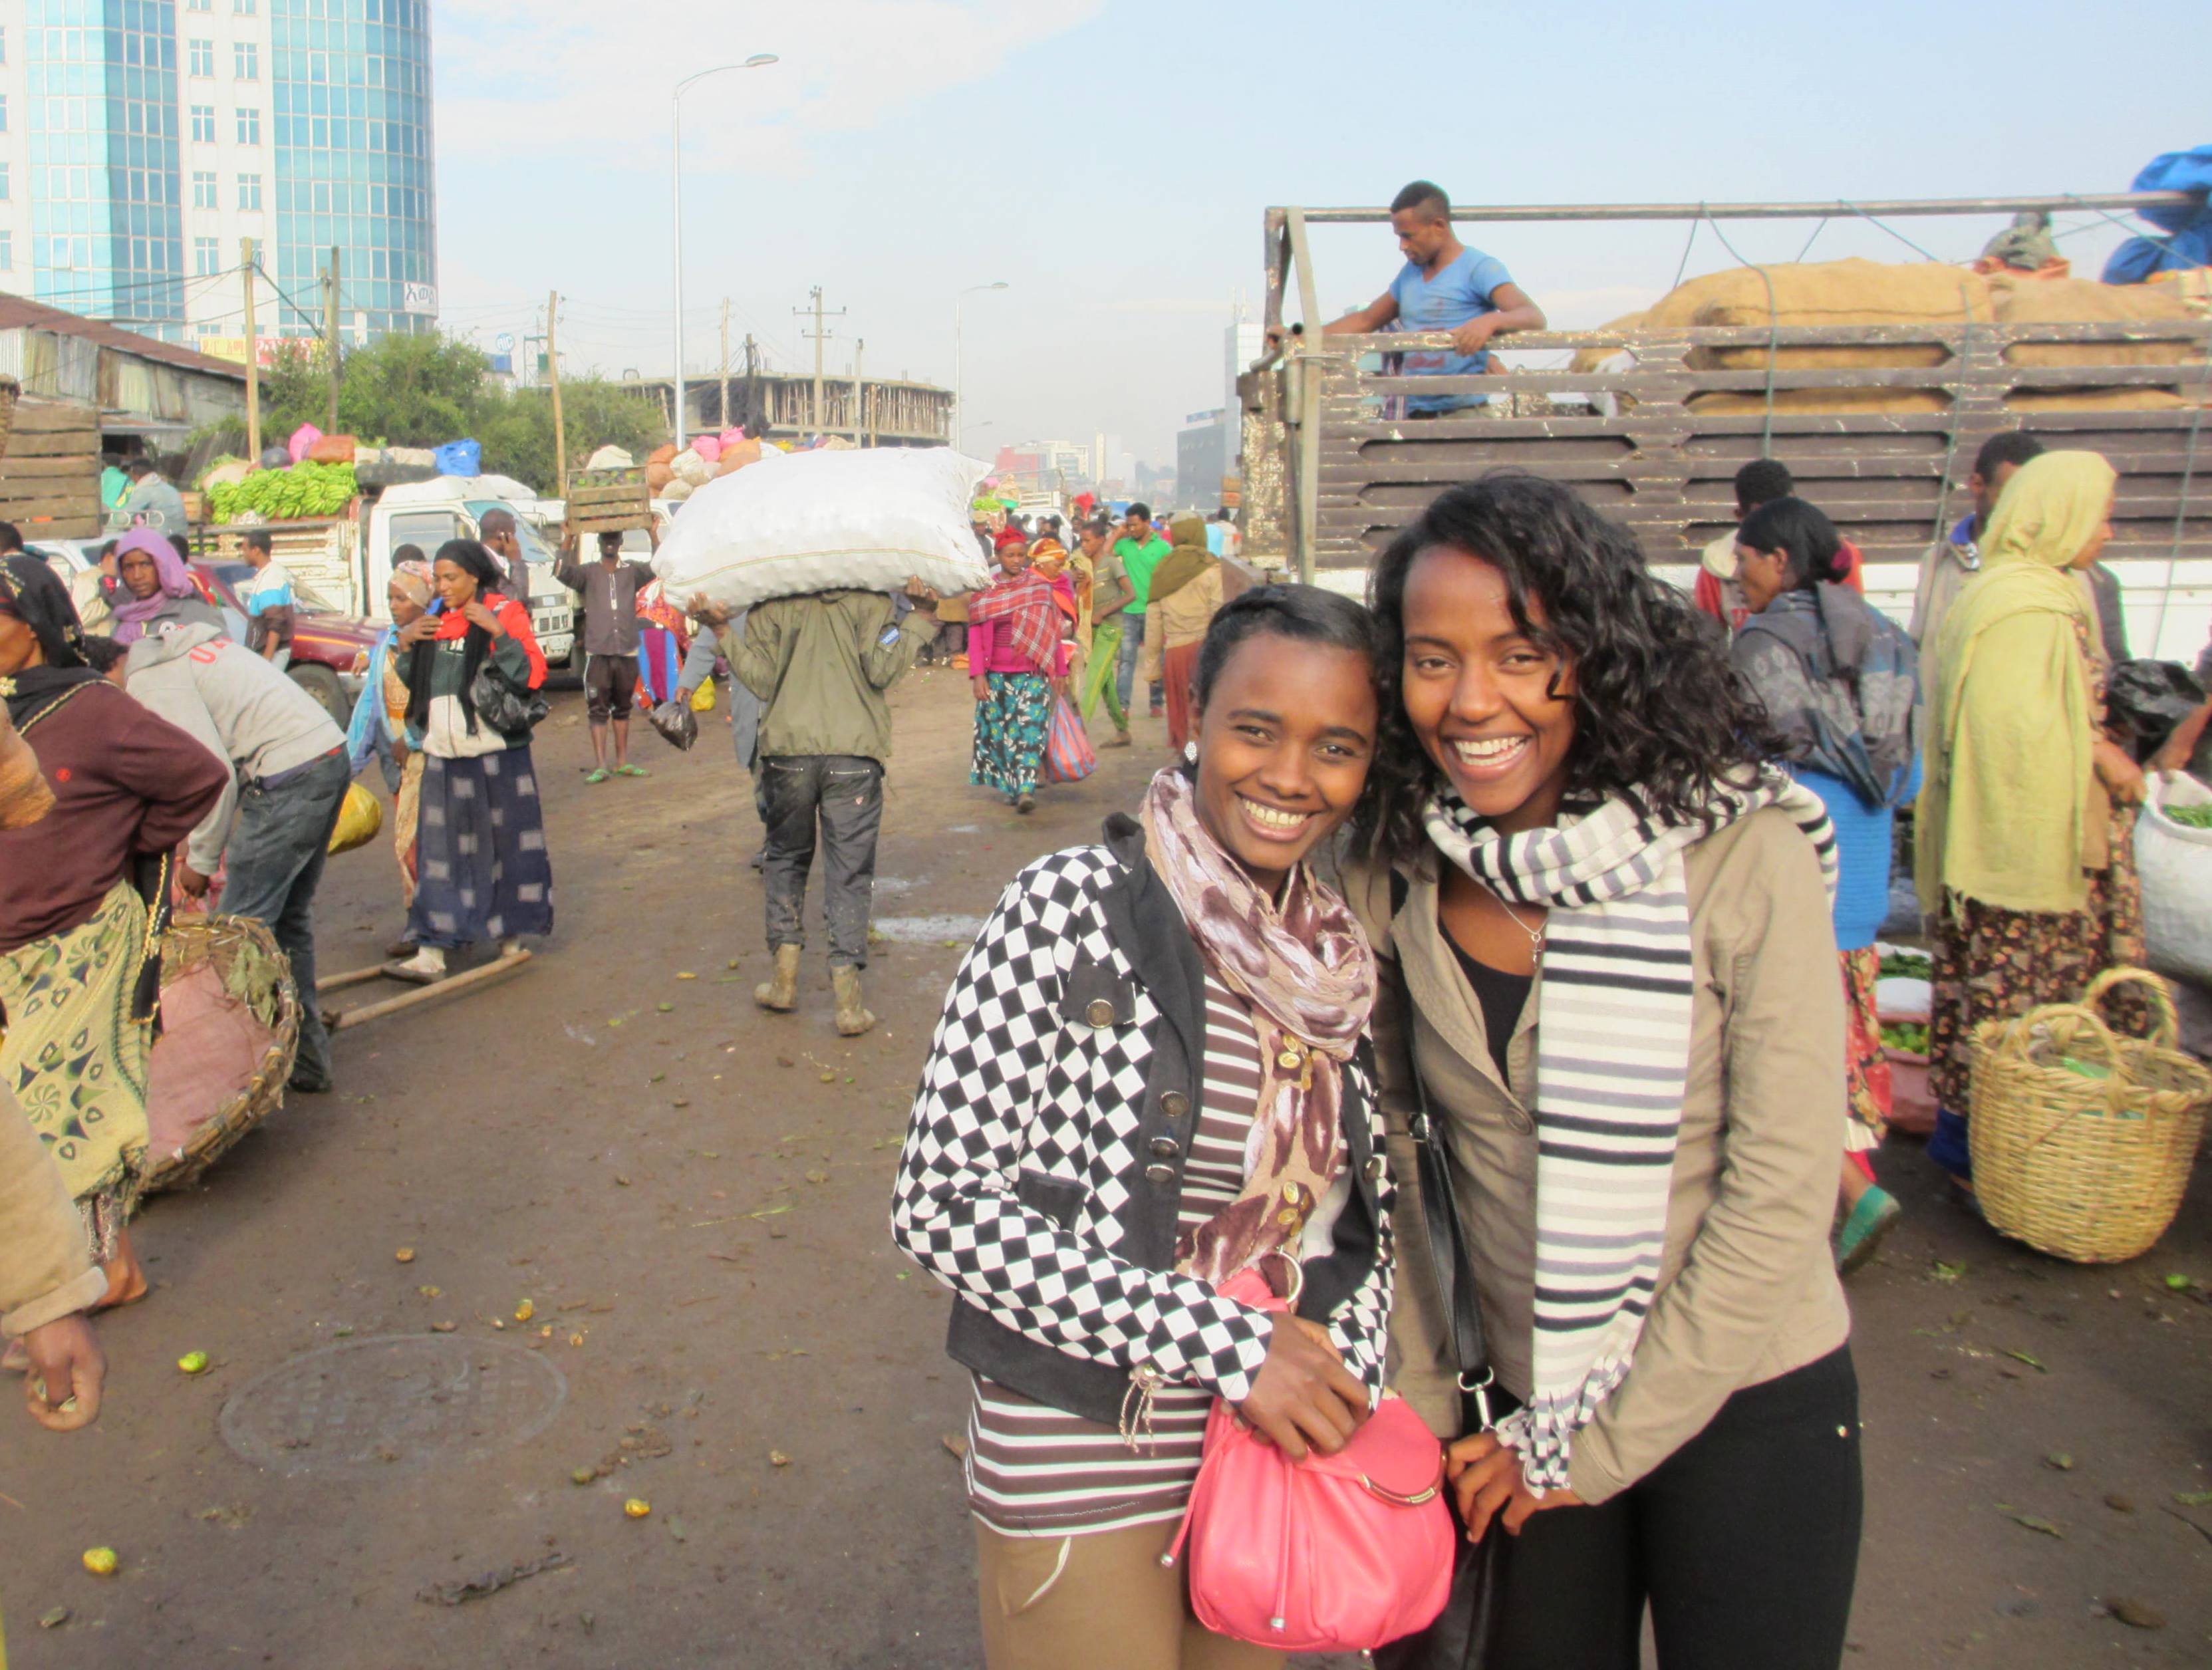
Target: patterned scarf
1023 601
1306 967
134 615
1612 1067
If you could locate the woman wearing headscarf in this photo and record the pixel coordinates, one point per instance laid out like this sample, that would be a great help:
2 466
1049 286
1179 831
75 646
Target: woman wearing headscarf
1152 1079
1186 593
1840 684
152 588
84 896
482 871
1016 660
378 731
2025 831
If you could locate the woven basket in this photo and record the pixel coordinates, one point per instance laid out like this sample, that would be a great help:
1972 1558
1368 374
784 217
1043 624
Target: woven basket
10 391
253 970
2086 1168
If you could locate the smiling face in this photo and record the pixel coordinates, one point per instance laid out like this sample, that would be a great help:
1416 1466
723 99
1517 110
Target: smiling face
1283 744
139 575
1492 709
456 585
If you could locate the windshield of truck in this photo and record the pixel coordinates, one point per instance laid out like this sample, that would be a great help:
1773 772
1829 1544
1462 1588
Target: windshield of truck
535 552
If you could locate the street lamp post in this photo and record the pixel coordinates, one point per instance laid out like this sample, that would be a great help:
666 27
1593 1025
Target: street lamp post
959 360
676 166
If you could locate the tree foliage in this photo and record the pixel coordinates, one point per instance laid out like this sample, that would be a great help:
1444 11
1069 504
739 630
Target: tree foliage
423 391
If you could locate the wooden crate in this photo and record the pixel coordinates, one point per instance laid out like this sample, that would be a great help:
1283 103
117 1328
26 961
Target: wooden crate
609 500
49 477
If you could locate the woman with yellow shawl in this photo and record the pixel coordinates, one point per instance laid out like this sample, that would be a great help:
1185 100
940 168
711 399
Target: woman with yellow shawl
2025 858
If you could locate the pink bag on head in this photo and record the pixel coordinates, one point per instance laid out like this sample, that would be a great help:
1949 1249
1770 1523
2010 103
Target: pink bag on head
1334 1554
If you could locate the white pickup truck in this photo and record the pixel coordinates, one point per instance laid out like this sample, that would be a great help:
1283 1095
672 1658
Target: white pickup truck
426 514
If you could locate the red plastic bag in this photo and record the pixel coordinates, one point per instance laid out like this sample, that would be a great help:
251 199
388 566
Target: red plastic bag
1068 754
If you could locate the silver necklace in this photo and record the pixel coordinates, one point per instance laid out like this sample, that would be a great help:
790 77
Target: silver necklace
1535 934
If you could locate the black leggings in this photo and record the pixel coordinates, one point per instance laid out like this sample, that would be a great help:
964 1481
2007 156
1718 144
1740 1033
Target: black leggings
1745 1542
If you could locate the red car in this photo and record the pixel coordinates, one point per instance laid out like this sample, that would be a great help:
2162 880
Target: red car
330 651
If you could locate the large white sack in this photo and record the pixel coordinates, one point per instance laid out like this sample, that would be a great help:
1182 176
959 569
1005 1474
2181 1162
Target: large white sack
818 521
2175 864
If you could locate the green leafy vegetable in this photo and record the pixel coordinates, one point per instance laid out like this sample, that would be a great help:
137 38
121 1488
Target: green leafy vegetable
2197 817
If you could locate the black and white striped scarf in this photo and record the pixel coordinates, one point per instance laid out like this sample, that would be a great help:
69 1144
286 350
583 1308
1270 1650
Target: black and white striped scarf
1612 1063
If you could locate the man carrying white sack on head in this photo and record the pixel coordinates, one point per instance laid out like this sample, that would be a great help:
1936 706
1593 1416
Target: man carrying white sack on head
820 665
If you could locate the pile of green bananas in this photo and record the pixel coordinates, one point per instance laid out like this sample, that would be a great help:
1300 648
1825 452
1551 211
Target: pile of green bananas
303 492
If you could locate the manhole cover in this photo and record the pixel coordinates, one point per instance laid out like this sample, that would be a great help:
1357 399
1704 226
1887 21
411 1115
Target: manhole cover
397 1400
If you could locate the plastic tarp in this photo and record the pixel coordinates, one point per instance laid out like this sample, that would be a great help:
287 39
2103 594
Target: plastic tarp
2190 242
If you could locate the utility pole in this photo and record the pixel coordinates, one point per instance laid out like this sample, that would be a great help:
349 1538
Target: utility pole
553 369
252 365
725 408
859 396
331 329
820 336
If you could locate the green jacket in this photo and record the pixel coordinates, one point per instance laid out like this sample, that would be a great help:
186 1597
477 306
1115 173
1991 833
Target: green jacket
1138 562
820 665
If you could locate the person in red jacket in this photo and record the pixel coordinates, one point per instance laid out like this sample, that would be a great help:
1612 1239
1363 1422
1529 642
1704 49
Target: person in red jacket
1760 482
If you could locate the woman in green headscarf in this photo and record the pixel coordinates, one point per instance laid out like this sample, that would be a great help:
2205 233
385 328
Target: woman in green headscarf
2025 858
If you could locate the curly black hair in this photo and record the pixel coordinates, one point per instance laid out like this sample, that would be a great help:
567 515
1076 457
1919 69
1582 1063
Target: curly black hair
1658 713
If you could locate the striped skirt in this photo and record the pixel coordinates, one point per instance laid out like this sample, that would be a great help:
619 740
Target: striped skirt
482 871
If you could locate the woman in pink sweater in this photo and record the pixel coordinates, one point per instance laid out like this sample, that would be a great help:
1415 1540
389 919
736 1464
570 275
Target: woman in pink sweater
1017 663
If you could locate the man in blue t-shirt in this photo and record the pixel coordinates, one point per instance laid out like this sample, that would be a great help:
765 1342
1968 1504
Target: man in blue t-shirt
1443 286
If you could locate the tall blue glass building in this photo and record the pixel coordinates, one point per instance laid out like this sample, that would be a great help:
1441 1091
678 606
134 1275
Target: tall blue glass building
143 142
106 224
350 91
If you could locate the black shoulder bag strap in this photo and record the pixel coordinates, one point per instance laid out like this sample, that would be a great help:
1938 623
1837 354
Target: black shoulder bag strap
1464 1635
1447 1263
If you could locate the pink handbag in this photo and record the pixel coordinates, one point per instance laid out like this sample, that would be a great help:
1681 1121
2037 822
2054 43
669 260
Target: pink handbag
1334 1554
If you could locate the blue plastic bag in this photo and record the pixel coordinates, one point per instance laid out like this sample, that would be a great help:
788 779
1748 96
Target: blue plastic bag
2190 242
460 458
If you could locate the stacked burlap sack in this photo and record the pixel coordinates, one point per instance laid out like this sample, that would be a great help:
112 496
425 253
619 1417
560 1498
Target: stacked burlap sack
822 520
1858 293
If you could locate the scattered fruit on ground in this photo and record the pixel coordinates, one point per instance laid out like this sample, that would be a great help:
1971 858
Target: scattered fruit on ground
193 1363
99 1562
637 1507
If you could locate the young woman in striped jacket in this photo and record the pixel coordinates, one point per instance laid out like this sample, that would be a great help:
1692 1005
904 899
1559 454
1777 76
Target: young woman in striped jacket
1608 975
1151 1073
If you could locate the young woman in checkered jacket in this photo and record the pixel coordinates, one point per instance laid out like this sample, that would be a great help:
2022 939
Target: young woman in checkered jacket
1153 1072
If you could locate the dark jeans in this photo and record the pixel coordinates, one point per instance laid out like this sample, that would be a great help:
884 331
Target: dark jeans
844 793
1745 1543
274 861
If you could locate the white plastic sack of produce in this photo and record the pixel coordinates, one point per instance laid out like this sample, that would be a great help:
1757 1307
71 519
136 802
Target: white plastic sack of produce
815 521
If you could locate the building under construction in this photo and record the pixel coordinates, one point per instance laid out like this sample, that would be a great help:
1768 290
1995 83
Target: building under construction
785 406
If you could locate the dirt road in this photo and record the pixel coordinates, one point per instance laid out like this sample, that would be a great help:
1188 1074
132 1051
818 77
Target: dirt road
690 1197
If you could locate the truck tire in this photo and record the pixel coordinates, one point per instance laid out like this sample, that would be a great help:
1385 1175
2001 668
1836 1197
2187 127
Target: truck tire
322 683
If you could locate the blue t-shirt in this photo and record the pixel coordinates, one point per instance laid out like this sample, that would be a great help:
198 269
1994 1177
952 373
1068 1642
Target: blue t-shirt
1461 291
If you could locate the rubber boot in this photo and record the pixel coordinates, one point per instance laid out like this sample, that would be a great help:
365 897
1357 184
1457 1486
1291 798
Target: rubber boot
852 1019
780 994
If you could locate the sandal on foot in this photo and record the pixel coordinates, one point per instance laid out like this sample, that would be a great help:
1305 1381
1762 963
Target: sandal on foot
1872 1218
598 773
631 771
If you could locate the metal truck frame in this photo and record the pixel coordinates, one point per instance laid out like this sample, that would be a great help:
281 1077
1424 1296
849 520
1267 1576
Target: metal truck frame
1329 478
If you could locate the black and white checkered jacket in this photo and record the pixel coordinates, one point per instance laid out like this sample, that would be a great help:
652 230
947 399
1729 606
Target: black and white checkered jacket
1043 1160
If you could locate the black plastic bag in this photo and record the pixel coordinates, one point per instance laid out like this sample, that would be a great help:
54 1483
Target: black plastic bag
675 722
2148 699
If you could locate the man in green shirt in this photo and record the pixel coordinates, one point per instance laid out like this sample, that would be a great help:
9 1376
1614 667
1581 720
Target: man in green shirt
1139 550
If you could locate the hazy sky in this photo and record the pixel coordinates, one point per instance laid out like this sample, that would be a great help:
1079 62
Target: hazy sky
1110 160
